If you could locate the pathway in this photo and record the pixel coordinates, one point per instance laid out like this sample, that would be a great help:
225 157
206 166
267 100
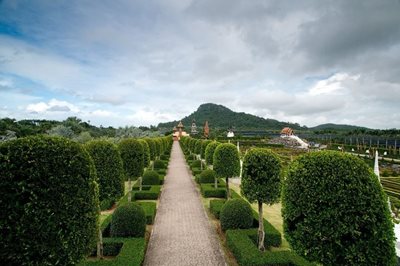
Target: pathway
182 233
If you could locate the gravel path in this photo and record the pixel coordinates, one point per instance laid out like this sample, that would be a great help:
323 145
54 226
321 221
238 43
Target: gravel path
182 233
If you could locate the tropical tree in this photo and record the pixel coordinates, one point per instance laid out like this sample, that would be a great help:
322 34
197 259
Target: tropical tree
226 163
261 182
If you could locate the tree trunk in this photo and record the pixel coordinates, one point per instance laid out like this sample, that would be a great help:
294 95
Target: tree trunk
140 183
228 193
100 245
215 182
129 190
261 234
152 165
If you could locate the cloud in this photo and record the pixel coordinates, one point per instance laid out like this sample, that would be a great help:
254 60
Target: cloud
53 105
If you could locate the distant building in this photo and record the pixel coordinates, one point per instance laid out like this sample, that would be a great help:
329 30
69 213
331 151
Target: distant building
178 132
193 129
206 130
230 134
287 131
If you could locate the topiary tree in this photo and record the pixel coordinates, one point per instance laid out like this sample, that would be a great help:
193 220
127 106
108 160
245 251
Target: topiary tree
151 178
49 202
261 182
335 211
109 168
207 176
132 155
158 164
128 220
236 214
210 152
226 163
197 147
152 147
146 152
204 145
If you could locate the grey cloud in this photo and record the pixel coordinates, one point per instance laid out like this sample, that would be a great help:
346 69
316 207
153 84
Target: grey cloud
59 108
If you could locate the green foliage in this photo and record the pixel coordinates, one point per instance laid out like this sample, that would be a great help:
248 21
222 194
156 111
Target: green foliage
151 178
61 131
152 194
216 206
152 148
128 220
195 164
207 176
132 155
210 151
335 211
208 191
261 180
204 145
146 152
149 210
49 201
226 160
109 168
158 164
197 147
242 245
236 214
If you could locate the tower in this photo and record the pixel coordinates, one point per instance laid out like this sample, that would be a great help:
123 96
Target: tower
193 130
206 130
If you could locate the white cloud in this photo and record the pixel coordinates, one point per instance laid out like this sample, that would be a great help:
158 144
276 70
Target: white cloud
53 105
332 85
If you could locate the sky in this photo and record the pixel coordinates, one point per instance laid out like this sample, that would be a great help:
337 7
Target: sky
131 62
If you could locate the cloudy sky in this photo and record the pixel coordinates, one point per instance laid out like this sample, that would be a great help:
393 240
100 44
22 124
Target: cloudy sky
131 62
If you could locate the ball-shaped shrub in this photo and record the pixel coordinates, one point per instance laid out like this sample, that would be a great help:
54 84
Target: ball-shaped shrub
49 202
110 172
151 178
335 211
210 151
207 176
158 164
128 220
236 214
132 155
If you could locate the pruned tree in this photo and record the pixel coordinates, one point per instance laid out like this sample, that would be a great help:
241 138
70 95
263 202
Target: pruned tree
226 163
261 182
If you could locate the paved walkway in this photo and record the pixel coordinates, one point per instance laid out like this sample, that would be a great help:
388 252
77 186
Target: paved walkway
182 233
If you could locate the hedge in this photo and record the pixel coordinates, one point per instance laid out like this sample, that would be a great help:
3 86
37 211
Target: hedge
109 168
242 244
216 206
152 194
132 155
335 200
236 214
151 178
158 164
150 209
207 176
210 151
128 220
208 191
49 201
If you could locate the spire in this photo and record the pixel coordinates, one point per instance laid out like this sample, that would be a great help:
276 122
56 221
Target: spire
206 130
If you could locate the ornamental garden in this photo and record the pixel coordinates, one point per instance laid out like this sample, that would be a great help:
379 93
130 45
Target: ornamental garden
66 203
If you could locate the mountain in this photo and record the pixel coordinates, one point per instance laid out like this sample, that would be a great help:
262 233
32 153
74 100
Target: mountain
221 117
337 127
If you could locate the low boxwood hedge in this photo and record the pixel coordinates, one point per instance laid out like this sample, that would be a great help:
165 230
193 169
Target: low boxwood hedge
216 206
196 171
161 171
151 178
208 191
152 194
149 210
164 157
131 253
245 250
159 164
236 214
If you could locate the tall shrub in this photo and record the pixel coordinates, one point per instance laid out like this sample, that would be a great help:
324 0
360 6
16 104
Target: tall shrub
109 168
210 152
226 163
146 152
49 202
261 182
152 147
204 145
335 211
132 155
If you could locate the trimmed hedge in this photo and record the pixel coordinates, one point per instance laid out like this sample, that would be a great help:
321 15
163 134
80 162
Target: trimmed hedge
242 243
109 168
128 220
207 176
195 164
208 191
216 206
132 253
161 171
152 194
132 155
49 201
196 171
149 210
165 157
335 200
158 164
151 178
236 214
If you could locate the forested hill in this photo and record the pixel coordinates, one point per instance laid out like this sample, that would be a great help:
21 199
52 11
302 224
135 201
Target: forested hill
218 116
339 127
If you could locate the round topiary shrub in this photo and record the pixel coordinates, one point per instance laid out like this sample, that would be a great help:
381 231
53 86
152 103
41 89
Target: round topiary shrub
158 164
151 178
207 176
210 151
49 202
128 220
196 164
236 214
110 172
335 211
